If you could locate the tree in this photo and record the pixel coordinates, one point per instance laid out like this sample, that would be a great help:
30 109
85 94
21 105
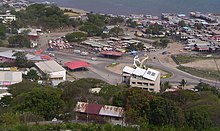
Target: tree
116 31
19 41
198 26
154 29
198 120
164 42
2 31
131 23
183 83
76 37
20 59
32 74
165 85
165 112
10 118
45 101
182 23
91 29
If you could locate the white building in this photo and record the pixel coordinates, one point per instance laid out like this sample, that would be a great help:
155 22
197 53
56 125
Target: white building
52 69
8 78
7 18
146 79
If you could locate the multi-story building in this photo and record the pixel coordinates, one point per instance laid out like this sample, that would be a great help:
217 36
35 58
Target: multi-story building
140 78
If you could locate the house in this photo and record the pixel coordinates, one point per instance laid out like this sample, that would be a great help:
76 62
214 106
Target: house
55 72
99 113
140 78
8 78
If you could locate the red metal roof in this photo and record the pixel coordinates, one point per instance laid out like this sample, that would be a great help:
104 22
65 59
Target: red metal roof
93 109
111 53
76 64
46 57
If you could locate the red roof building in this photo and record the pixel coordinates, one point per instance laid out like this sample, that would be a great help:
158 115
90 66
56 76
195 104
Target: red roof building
76 64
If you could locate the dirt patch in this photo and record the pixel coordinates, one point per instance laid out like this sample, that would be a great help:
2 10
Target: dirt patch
204 64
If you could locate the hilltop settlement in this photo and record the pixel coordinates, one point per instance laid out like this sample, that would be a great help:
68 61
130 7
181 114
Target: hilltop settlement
69 69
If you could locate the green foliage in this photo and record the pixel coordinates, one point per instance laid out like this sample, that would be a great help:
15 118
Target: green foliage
135 47
97 19
163 42
79 91
22 87
21 60
116 31
154 29
165 85
115 20
2 31
32 75
182 23
198 120
46 16
76 37
45 101
10 118
198 26
91 29
165 112
206 87
180 96
19 41
131 23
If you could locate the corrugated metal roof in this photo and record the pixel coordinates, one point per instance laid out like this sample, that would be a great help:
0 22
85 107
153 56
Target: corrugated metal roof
111 111
96 109
10 76
49 66
76 64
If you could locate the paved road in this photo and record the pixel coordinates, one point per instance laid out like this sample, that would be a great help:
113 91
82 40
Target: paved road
99 65
99 71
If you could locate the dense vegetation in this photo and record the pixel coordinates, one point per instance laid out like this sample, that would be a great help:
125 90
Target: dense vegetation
76 37
179 110
40 15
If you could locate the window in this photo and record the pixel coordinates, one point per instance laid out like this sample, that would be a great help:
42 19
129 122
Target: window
145 84
151 89
133 82
151 84
139 83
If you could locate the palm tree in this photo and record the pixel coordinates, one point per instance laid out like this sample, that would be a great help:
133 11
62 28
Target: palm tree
183 83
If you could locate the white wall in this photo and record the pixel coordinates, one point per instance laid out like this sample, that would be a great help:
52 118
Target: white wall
58 74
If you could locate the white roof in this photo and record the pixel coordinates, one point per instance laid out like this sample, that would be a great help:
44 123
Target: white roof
10 76
151 74
107 110
49 66
128 70
10 53
139 71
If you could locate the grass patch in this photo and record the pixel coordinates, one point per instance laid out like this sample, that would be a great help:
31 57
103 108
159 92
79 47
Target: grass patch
183 59
112 64
208 74
165 75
